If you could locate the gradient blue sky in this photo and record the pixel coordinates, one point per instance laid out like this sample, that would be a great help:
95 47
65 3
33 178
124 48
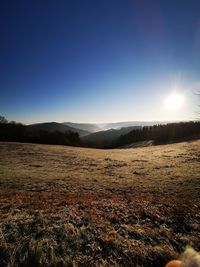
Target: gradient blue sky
98 60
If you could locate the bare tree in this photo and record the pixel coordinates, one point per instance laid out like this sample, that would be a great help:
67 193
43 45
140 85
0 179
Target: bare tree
196 92
198 95
3 119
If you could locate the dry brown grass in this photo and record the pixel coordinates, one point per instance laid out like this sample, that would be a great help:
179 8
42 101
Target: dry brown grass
65 206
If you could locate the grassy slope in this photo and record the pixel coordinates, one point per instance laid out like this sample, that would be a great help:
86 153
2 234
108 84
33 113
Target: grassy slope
65 206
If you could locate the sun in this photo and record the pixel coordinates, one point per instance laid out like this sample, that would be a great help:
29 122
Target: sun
174 102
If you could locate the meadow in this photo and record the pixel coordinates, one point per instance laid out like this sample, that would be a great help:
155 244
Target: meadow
70 206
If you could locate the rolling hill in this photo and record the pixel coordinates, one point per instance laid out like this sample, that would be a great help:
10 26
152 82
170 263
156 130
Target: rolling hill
55 126
124 124
88 127
97 127
105 138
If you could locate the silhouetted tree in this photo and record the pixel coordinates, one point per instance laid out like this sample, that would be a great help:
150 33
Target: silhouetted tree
3 119
17 132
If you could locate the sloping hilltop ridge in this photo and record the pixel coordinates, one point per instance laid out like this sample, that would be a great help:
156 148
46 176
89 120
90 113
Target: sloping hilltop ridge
66 206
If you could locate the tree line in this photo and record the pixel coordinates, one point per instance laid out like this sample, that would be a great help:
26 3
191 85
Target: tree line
17 132
159 134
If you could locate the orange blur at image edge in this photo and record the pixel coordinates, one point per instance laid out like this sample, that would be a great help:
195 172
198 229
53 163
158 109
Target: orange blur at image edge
173 263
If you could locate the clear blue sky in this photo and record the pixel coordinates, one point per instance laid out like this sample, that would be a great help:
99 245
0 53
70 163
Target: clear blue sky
98 60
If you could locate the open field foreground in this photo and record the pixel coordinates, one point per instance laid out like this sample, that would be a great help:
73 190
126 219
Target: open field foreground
66 206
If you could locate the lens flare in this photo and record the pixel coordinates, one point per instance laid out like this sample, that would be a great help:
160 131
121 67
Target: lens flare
174 102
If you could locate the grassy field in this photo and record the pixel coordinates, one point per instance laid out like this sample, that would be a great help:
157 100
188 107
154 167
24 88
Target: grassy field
66 206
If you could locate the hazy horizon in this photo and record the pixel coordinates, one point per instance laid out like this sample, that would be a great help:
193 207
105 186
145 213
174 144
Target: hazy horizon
105 123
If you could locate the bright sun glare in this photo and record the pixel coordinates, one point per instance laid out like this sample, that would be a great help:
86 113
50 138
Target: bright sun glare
174 102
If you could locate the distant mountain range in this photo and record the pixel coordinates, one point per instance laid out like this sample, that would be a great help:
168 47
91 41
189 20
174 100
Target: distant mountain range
55 126
96 127
96 135
88 127
106 138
